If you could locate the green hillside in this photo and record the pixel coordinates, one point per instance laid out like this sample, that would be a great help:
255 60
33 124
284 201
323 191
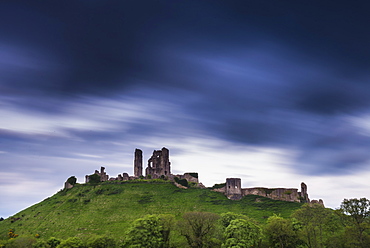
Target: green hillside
110 207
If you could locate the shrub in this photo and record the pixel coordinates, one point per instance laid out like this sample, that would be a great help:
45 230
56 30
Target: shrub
94 179
192 184
102 242
218 185
72 180
41 244
22 242
53 242
182 182
11 234
71 243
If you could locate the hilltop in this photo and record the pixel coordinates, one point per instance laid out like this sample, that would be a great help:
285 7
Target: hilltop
110 207
159 166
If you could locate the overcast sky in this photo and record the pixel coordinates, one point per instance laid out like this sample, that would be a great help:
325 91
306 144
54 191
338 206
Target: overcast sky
273 92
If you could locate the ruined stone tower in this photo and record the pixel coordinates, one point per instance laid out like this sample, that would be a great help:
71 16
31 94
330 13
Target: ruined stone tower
138 163
233 188
159 164
304 195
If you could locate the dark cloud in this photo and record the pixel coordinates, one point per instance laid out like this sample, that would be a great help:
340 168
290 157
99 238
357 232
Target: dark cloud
271 74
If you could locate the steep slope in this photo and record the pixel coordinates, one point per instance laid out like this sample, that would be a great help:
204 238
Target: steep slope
110 208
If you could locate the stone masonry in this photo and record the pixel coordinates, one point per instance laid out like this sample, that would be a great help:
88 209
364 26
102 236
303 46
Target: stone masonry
103 175
234 188
138 163
234 191
159 164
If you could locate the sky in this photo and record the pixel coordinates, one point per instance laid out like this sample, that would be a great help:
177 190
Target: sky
273 92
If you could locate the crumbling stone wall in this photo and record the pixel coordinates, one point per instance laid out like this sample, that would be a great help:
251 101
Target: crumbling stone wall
125 177
234 191
283 194
103 175
320 201
189 176
159 164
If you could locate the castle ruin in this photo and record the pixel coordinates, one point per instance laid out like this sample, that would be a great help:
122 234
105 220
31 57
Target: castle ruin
102 174
234 191
159 166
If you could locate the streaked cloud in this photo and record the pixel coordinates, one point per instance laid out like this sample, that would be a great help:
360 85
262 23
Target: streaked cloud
255 90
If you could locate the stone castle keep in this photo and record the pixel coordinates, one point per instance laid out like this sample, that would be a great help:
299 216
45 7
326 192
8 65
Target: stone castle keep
159 166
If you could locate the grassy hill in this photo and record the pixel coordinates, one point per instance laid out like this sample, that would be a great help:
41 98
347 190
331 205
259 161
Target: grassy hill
110 208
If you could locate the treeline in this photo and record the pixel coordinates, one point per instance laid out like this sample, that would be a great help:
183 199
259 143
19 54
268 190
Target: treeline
310 226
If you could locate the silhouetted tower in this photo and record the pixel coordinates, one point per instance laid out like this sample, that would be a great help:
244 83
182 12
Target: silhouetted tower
138 163
159 163
304 194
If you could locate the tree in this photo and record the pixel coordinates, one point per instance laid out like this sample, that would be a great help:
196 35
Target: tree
40 244
317 224
356 212
102 242
53 242
226 218
242 234
71 243
198 228
72 180
150 231
281 233
167 222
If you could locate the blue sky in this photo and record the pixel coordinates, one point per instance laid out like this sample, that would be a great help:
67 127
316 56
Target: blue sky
273 92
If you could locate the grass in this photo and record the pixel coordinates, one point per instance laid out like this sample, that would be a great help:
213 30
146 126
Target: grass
109 208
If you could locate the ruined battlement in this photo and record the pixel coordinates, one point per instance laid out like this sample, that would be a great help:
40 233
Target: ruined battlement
234 191
159 166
